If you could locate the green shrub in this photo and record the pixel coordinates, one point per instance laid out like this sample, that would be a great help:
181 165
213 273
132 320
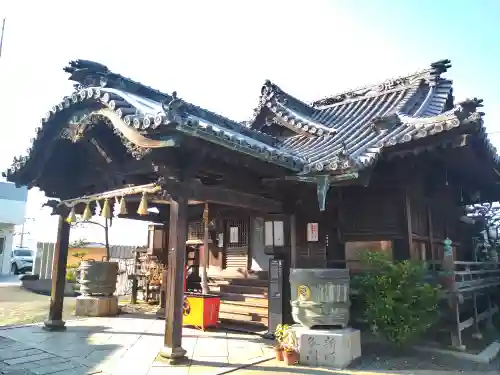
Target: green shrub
71 275
72 265
398 304
79 254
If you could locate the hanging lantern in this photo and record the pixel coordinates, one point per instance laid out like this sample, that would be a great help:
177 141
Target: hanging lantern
72 216
143 206
106 210
122 207
87 213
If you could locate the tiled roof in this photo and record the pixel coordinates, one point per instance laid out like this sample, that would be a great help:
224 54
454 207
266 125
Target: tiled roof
350 131
148 110
343 133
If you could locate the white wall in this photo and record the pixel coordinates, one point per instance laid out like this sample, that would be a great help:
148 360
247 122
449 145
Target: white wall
6 231
12 212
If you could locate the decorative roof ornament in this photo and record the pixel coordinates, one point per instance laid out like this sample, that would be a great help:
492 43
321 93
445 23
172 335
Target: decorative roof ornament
438 68
342 154
174 108
468 108
387 123
431 75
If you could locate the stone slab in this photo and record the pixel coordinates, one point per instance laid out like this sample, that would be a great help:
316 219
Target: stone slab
334 348
96 306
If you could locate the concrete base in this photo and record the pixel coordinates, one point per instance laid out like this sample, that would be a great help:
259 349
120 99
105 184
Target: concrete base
173 355
96 306
54 325
334 348
160 313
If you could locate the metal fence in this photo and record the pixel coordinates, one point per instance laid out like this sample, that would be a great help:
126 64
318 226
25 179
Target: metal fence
123 282
119 253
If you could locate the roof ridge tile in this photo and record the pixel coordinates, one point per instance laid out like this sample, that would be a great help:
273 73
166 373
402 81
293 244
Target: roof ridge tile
431 74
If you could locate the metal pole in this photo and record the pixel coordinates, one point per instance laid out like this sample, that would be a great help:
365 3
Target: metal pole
1 36
22 236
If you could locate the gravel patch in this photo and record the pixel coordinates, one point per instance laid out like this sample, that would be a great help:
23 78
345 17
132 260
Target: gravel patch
379 357
19 306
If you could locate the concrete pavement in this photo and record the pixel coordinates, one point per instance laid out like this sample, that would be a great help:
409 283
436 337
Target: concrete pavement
129 344
9 280
123 345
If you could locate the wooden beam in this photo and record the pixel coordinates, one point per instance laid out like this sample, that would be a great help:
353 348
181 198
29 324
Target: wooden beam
408 215
196 191
55 322
174 291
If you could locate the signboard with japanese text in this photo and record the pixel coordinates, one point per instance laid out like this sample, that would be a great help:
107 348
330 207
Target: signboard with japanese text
312 232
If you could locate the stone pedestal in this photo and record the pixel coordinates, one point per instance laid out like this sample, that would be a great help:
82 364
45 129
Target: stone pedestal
96 306
333 348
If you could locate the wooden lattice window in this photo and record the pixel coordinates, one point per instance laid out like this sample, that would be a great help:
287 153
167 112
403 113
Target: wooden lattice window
237 237
196 230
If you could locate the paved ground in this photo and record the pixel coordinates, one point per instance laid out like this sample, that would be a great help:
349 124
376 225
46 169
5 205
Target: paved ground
9 280
123 345
19 306
129 344
116 345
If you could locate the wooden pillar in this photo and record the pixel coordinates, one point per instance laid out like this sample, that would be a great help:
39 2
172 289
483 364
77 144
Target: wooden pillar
54 321
430 231
174 292
204 253
293 242
409 231
135 280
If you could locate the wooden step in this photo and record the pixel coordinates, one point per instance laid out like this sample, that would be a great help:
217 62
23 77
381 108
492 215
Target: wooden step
247 318
243 289
244 299
239 309
237 274
239 289
239 281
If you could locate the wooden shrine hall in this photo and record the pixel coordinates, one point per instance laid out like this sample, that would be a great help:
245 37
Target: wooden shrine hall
383 167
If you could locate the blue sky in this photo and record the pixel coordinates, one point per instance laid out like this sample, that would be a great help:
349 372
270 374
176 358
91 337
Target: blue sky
217 54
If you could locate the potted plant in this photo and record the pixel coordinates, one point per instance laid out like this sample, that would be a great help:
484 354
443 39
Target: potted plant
290 353
279 336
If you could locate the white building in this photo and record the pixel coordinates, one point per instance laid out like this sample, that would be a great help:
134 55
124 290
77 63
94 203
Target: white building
12 213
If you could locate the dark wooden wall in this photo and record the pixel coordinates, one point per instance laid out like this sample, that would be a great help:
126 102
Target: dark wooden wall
396 206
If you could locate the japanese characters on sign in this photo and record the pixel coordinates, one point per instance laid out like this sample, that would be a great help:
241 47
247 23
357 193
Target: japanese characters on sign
312 232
